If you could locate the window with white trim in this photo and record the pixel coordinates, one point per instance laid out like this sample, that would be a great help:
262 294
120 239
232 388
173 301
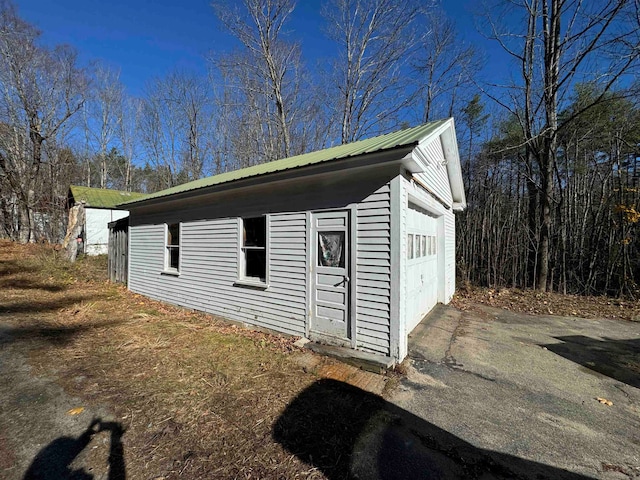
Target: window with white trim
172 247
253 261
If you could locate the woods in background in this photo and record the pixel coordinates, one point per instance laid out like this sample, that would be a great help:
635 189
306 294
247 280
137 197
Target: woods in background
593 245
550 156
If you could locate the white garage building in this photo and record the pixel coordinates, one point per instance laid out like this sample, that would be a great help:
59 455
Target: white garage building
100 209
350 245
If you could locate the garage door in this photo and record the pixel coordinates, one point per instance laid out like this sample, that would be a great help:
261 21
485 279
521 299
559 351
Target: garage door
422 264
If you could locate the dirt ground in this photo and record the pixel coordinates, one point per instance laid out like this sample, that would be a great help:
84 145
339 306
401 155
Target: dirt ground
102 383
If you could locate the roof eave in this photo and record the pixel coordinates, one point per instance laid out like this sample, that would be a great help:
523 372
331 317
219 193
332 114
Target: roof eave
400 154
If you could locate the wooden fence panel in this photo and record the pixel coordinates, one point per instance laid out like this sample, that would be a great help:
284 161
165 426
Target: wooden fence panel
118 250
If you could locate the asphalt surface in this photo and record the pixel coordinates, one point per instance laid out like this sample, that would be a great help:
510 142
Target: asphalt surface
520 393
46 433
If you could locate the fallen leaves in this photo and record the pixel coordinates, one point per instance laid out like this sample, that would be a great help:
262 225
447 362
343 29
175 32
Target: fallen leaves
546 303
75 411
604 401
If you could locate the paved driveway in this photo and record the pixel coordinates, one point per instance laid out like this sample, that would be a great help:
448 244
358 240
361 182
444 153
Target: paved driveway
525 388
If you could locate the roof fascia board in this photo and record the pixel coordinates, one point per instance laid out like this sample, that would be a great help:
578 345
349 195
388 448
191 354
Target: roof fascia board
420 161
454 169
120 209
389 157
447 125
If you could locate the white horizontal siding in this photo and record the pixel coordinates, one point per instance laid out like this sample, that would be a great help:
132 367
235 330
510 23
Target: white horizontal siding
450 254
373 272
435 176
209 269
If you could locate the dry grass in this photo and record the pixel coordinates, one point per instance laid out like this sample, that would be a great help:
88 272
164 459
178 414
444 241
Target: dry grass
198 397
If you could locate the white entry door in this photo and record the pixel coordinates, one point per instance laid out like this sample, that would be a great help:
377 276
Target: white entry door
330 274
422 264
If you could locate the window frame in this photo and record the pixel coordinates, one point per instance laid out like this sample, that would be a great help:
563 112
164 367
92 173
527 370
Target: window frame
167 257
241 278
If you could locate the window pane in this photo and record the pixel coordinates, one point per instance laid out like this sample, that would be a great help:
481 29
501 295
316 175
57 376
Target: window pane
256 264
433 250
255 232
424 245
331 249
410 246
174 255
173 234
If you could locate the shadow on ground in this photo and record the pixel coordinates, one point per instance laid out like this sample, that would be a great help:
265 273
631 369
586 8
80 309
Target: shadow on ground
618 359
346 432
28 307
54 461
11 267
55 335
22 284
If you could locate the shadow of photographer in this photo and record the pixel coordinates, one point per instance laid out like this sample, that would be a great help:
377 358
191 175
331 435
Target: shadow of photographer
346 432
54 461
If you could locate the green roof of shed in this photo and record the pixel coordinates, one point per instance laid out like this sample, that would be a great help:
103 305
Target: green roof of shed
102 198
376 144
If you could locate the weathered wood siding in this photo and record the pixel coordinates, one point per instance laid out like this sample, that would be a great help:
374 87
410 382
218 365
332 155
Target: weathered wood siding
118 250
373 265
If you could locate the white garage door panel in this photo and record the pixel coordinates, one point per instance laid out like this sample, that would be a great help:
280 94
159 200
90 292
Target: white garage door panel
422 264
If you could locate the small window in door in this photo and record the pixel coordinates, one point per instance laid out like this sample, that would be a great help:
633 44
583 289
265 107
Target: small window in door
331 249
433 241
424 245
410 246
254 249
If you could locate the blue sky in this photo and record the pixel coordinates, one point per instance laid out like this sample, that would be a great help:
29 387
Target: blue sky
147 39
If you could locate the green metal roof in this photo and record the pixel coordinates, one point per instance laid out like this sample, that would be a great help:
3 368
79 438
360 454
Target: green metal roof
376 144
102 198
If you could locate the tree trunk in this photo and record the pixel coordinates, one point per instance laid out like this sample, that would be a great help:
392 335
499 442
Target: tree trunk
75 232
545 223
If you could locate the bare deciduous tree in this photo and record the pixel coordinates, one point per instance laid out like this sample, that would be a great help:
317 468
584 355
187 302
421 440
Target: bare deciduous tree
102 116
265 96
444 67
176 125
41 90
129 124
563 42
374 39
